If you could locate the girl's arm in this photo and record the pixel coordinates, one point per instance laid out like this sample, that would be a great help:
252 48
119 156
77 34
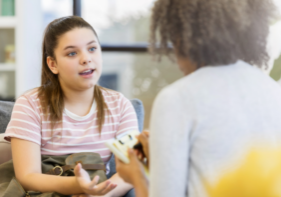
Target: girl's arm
122 187
27 165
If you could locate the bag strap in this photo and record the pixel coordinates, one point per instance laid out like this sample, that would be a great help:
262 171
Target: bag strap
59 170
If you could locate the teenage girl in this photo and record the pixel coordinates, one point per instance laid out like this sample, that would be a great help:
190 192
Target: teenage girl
68 113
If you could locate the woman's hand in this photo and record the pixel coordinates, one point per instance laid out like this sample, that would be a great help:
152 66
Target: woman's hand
91 187
143 139
132 171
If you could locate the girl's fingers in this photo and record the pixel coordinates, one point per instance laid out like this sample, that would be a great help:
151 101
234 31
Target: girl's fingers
110 187
77 170
93 186
94 182
100 187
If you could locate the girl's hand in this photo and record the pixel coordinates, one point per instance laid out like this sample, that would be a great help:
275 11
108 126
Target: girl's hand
91 187
143 139
132 171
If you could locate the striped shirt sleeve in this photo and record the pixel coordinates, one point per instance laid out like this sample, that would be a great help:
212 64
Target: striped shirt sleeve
25 121
128 117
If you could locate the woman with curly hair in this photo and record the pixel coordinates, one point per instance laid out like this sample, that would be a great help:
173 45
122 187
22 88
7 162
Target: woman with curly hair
202 124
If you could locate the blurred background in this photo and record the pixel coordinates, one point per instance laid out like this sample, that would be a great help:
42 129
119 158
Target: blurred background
123 30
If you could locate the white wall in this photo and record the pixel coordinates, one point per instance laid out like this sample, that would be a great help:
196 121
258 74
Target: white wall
28 45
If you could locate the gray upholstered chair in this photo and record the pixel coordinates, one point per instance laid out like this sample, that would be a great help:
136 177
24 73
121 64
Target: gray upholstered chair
5 147
5 115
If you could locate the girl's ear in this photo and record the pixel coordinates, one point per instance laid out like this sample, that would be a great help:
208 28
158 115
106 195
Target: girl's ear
52 65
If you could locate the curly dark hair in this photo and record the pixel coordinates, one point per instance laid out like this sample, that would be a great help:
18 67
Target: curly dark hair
213 32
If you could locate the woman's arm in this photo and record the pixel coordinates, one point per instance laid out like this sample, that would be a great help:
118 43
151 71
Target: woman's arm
27 165
140 183
133 173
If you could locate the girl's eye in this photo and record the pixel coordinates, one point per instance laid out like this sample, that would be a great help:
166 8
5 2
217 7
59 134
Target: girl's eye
92 49
71 54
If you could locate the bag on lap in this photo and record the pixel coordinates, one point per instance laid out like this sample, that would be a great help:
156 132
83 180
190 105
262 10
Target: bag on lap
61 165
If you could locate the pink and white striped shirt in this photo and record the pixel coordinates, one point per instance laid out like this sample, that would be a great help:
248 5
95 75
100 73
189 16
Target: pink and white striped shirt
74 133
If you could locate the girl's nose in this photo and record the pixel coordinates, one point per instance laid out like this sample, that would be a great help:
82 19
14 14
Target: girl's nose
85 59
85 62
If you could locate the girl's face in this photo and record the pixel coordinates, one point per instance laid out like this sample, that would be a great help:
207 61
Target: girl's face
78 61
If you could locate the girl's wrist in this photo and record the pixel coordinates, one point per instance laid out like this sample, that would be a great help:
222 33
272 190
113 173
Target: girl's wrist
77 185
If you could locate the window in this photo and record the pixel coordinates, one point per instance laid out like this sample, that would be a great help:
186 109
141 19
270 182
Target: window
119 21
124 25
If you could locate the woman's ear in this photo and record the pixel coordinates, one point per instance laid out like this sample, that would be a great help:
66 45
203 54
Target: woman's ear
52 65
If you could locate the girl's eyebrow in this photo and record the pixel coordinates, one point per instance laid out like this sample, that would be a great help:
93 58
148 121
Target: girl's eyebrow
93 41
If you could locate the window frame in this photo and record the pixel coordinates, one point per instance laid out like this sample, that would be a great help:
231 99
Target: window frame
135 48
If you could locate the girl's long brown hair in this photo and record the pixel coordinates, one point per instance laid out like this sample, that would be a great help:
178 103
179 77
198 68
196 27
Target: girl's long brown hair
50 93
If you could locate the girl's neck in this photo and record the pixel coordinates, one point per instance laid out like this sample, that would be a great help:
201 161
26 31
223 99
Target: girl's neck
79 102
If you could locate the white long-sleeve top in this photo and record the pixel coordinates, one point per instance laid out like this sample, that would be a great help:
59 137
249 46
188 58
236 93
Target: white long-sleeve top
203 124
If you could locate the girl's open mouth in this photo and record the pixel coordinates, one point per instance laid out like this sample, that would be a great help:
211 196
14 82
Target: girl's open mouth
87 73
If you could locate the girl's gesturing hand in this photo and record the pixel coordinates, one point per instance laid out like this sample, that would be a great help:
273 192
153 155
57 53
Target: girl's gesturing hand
91 187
